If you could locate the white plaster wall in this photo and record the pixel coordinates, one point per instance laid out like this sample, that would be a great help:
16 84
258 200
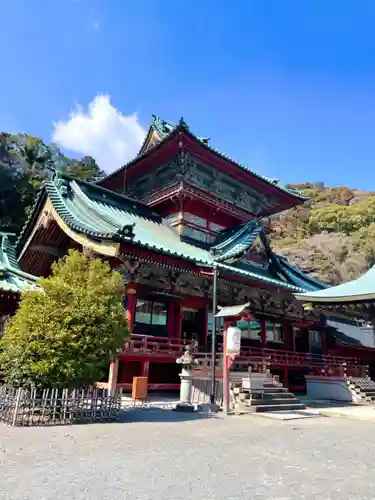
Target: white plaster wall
333 388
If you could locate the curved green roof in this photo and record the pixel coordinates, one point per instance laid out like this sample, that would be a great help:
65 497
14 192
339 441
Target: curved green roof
360 290
12 278
103 214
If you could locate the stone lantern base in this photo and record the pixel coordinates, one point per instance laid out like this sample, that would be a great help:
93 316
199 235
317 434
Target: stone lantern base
184 407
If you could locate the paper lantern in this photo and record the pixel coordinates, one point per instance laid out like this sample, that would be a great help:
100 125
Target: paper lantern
233 340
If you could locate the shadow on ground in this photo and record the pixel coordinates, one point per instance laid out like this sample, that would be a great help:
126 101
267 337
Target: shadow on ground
132 415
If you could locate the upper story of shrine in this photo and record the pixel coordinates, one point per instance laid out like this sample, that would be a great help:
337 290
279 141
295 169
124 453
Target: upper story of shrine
199 189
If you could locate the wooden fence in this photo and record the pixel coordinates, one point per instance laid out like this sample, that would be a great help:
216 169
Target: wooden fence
21 407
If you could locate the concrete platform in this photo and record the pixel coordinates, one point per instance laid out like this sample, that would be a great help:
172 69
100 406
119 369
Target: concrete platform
349 410
365 413
289 415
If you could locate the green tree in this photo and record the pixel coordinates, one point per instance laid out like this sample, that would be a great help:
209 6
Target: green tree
25 162
16 189
86 169
66 335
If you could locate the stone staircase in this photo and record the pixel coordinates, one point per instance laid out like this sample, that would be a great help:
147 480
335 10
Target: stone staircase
363 389
259 392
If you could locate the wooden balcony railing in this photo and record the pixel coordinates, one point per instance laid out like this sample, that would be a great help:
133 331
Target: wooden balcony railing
155 345
324 364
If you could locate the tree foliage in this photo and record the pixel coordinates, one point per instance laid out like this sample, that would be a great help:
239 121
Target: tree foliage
25 162
86 169
66 335
332 235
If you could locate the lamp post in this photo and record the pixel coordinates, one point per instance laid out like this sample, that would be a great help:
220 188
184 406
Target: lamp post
213 346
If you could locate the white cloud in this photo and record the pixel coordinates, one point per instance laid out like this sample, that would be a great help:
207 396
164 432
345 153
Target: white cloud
96 26
102 132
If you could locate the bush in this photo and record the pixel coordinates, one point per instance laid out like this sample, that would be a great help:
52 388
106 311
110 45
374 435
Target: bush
66 335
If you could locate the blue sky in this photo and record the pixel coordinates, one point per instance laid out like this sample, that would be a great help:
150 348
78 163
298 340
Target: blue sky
286 87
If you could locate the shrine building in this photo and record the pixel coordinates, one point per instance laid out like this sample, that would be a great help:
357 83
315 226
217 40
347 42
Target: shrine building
13 281
166 220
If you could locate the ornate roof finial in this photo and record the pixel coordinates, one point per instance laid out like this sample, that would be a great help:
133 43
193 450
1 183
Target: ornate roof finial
183 123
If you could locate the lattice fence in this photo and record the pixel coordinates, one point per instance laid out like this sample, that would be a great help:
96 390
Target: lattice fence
20 407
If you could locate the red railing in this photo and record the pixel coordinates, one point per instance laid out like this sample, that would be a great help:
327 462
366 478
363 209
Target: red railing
326 365
279 356
149 344
317 364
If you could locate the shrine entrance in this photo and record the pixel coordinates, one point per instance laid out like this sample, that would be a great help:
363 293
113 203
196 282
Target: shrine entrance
301 339
193 325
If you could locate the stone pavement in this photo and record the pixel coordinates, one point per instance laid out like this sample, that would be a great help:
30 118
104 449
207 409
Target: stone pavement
163 455
353 411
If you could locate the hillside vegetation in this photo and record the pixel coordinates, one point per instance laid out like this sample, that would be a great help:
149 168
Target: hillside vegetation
25 162
332 235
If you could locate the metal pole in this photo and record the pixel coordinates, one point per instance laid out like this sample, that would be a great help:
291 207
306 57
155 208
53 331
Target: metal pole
213 346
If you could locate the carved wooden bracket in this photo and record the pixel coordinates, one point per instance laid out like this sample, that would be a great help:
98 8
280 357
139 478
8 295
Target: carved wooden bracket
173 277
131 268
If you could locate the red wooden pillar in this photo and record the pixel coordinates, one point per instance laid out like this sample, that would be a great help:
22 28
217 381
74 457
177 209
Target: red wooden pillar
323 334
293 333
288 336
286 377
263 332
145 368
178 320
131 294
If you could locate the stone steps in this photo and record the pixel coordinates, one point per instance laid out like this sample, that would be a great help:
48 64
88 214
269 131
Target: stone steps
277 395
264 394
279 407
364 388
275 402
274 387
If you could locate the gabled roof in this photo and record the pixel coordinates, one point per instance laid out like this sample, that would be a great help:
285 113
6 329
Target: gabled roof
101 214
297 276
12 278
225 312
360 290
236 242
165 130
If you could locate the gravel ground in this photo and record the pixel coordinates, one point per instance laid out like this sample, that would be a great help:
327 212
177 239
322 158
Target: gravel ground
161 455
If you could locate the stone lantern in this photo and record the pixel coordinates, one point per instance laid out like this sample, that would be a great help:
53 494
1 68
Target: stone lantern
186 361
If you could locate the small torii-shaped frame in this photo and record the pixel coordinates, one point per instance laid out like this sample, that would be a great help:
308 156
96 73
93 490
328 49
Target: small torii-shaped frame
230 314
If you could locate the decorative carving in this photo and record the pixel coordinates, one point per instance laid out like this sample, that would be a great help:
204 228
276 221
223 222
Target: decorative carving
129 269
46 219
257 253
206 177
127 231
173 278
185 162
63 186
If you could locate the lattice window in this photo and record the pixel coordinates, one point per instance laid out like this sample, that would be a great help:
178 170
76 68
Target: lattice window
275 332
150 312
249 329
